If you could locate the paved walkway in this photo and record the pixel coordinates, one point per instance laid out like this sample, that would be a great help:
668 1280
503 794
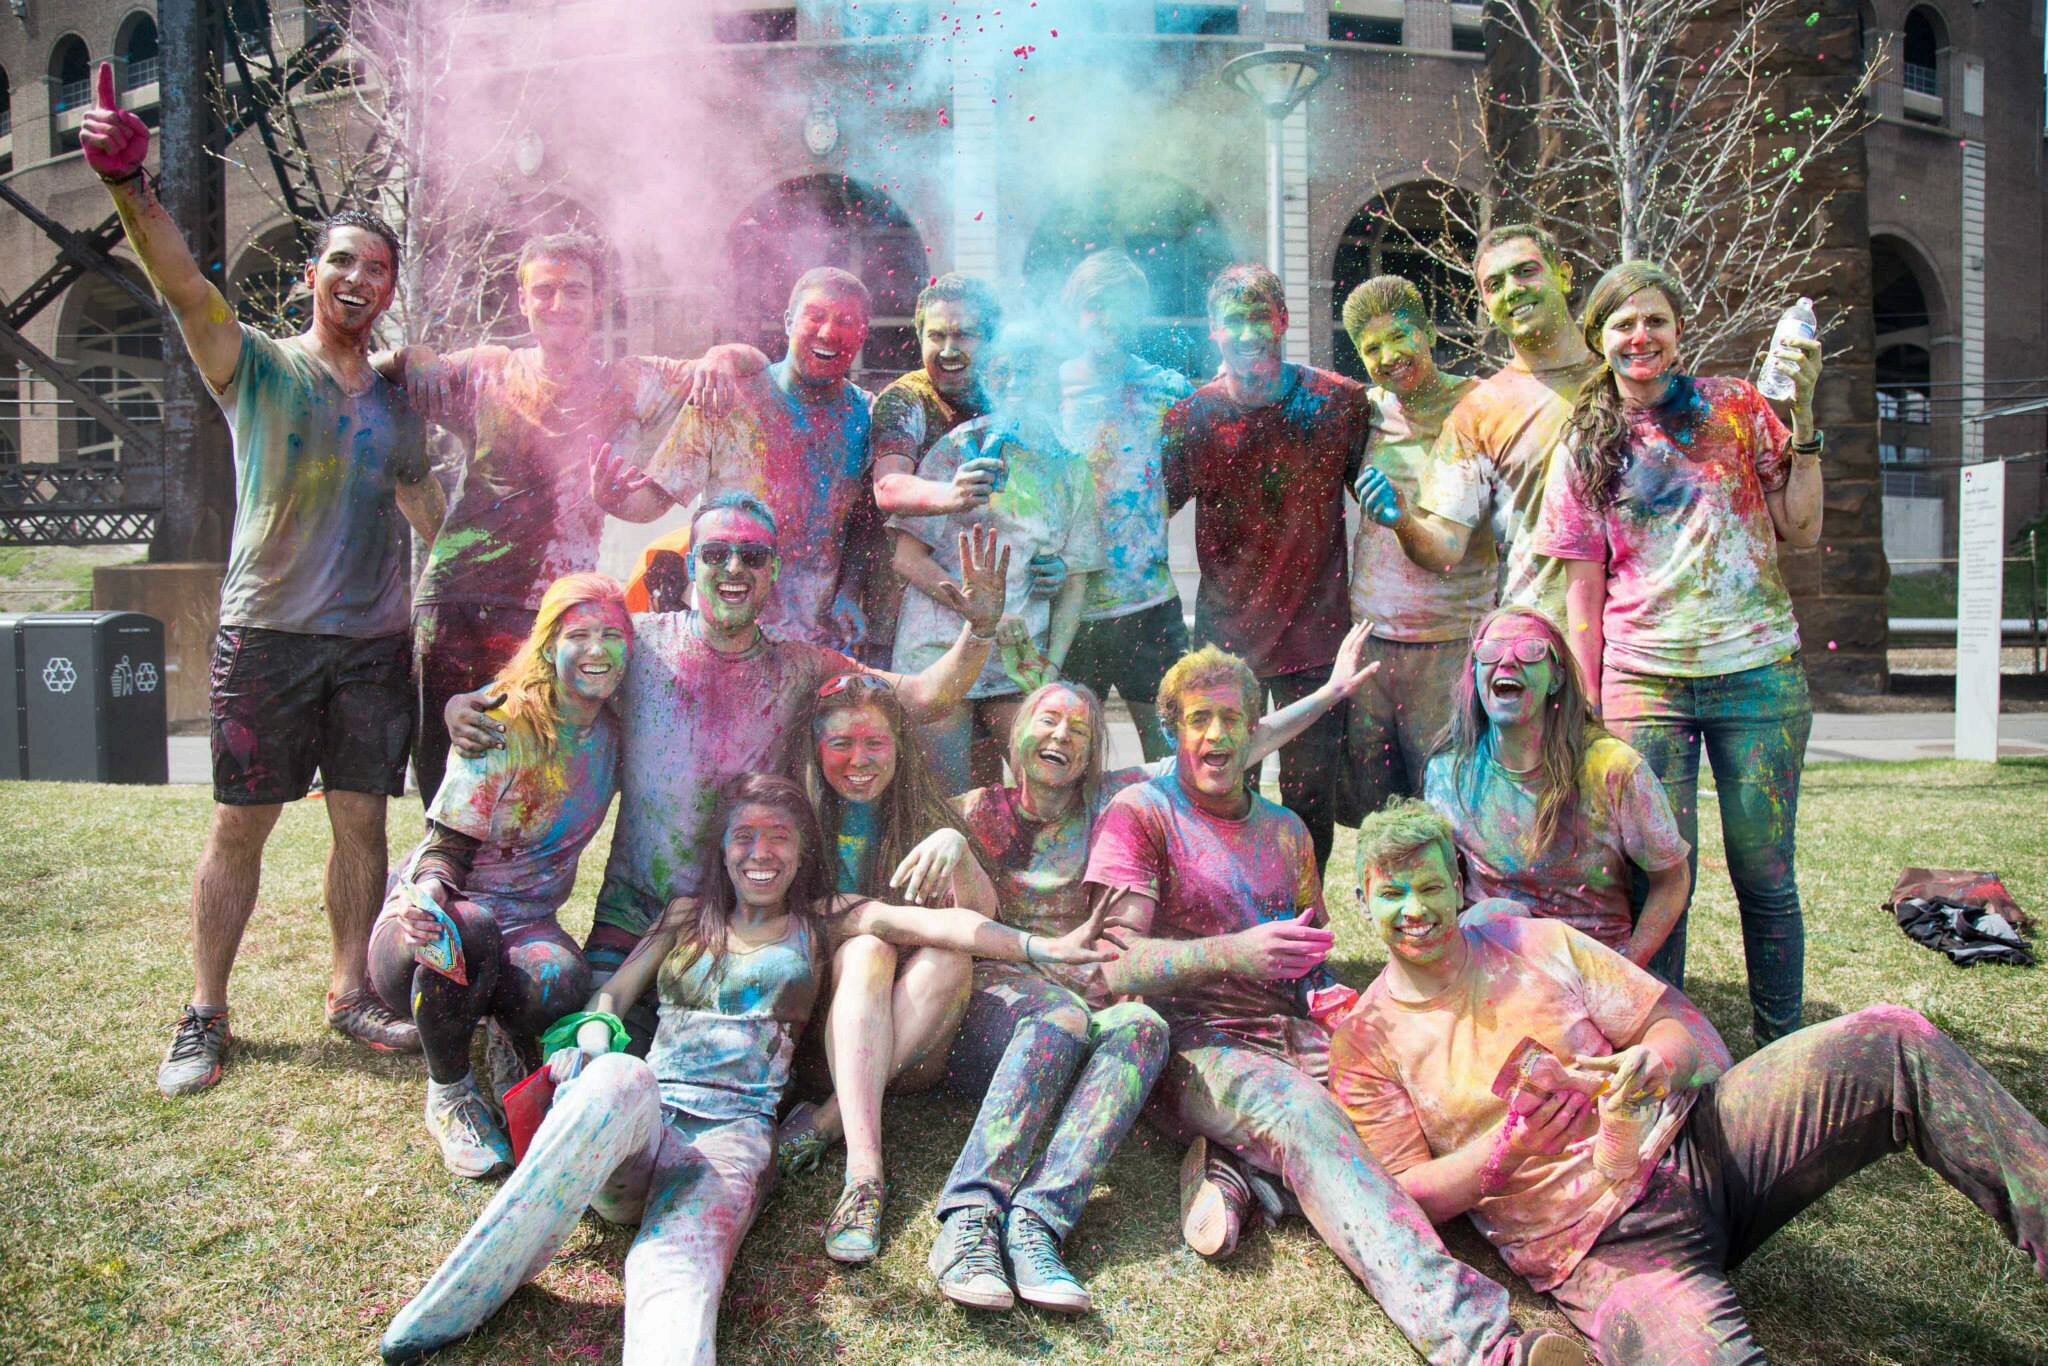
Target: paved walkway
1836 736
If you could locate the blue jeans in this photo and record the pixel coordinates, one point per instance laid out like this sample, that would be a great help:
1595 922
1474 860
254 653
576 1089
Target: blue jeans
1754 726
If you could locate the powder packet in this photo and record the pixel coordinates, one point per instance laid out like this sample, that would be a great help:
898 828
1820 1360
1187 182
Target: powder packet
444 954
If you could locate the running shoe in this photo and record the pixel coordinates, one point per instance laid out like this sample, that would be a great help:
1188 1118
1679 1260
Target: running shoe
854 1233
473 1143
1214 1199
199 1049
1036 1269
967 1259
368 1021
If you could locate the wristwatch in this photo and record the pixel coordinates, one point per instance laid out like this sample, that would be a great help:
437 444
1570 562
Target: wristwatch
1811 448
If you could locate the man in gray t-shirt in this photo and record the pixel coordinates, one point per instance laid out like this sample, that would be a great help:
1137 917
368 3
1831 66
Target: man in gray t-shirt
310 669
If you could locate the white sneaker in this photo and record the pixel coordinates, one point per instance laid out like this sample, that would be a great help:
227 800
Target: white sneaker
473 1143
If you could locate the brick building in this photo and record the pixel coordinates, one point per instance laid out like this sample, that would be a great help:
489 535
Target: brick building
905 139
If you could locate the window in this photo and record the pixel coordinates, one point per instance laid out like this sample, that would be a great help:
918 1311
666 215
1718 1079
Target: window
1206 19
71 73
1920 67
1358 28
755 26
6 106
139 64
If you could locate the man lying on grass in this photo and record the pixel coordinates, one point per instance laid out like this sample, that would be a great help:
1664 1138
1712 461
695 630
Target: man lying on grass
1471 1069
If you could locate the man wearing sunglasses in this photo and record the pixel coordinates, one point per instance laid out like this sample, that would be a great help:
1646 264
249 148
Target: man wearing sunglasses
710 695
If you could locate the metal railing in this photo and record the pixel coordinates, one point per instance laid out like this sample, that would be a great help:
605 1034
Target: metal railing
72 95
1922 80
144 72
2030 631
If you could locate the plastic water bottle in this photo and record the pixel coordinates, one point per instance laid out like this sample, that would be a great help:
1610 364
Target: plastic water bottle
1797 324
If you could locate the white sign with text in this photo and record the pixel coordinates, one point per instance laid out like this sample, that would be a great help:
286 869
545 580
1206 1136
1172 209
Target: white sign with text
1980 597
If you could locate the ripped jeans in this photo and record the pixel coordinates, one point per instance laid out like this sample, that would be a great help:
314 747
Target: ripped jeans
1782 1128
1035 1054
1268 1105
693 1186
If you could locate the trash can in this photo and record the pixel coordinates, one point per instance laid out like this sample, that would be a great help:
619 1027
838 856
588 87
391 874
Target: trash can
84 697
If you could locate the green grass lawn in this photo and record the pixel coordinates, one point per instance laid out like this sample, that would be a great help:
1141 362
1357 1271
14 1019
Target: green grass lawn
287 1214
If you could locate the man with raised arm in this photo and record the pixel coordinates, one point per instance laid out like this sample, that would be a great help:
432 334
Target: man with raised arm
311 664
1484 482
796 437
1227 943
1266 452
709 695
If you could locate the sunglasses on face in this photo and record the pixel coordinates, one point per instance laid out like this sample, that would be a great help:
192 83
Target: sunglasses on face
1527 649
832 687
722 553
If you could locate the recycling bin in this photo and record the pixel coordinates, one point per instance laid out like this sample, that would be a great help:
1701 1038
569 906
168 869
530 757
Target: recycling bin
83 697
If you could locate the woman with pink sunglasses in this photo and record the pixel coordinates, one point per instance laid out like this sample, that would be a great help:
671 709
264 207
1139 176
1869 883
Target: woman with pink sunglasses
1546 807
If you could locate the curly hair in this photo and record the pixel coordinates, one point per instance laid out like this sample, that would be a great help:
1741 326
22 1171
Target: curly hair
1201 668
533 715
356 218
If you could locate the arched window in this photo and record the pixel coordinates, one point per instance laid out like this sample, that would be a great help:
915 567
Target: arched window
1406 232
1920 65
828 220
1174 236
70 74
117 345
138 48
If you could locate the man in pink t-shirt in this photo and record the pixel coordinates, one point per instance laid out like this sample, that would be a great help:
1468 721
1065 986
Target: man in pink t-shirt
1221 887
1631 1209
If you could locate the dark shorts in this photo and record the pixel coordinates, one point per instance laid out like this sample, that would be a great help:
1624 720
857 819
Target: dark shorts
1130 653
286 706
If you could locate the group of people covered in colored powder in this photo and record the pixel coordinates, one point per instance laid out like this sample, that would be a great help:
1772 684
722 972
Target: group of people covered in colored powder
868 840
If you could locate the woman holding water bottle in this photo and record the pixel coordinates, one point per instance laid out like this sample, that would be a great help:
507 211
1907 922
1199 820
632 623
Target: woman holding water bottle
1666 507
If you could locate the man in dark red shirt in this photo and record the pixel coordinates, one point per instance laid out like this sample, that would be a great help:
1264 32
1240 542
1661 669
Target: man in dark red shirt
1265 452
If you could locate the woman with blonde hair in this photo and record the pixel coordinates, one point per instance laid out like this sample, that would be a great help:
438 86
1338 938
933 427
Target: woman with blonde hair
503 837
1547 808
1666 506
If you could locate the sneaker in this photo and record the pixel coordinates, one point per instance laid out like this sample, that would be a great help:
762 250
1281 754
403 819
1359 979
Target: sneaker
1213 1201
799 1148
1544 1348
502 1062
854 1233
1036 1270
967 1259
473 1143
199 1049
367 1020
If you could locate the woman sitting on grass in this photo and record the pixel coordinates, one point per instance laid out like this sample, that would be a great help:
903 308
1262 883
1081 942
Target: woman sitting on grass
1547 808
503 837
682 1143
1033 1029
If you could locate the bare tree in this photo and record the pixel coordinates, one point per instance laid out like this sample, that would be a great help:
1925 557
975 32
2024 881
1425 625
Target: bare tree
348 119
1659 129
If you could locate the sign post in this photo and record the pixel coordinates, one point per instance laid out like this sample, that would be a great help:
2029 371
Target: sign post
1980 603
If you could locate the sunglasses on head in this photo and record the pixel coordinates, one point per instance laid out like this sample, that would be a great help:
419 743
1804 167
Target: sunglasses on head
721 553
832 687
1527 649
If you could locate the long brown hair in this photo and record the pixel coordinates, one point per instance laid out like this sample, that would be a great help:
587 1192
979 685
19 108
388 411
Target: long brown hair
533 713
1599 425
705 929
908 810
1568 731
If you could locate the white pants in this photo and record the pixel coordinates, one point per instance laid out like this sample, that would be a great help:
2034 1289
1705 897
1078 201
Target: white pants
694 1188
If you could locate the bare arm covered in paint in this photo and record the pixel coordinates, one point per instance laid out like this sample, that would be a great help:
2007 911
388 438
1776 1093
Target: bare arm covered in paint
1346 677
1065 621
1585 609
965 931
116 143
1448 1186
1796 508
978 598
1675 1050
1669 890
1430 541
900 491
1278 950
423 504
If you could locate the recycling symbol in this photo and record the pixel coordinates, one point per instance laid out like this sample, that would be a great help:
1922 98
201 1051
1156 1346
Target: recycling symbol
59 676
145 677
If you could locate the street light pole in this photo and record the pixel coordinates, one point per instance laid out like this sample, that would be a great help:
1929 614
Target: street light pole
1277 79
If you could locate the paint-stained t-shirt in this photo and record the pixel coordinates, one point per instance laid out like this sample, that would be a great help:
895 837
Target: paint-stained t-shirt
1619 817
521 515
910 414
1693 587
1115 425
1039 866
1045 506
1417 1078
320 547
1489 468
696 719
807 460
1211 876
1268 483
727 1030
1401 599
531 818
